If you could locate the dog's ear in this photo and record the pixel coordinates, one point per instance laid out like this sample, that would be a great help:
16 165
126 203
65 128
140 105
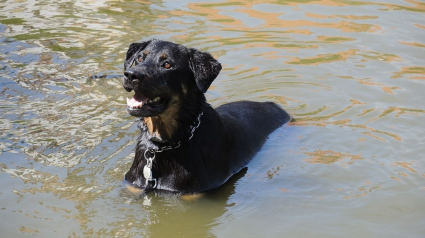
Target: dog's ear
132 50
204 67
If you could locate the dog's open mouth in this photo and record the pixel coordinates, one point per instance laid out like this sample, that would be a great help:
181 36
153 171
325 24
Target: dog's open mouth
139 100
140 105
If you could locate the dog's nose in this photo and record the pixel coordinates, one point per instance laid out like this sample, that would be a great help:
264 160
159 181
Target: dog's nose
134 76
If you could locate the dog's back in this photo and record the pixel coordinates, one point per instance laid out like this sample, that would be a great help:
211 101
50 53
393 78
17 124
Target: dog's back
250 123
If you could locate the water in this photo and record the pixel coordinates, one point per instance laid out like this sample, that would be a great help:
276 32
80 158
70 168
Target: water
351 164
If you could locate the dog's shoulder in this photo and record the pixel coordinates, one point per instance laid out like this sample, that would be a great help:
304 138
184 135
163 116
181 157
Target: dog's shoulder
266 116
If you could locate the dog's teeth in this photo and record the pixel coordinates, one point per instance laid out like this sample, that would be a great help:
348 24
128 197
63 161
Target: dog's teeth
134 104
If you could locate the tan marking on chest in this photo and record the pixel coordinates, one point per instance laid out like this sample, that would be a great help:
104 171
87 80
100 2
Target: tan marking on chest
154 126
149 124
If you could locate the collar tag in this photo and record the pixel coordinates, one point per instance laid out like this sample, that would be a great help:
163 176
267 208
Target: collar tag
147 172
147 169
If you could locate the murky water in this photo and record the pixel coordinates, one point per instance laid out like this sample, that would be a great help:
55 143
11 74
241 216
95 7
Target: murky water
351 164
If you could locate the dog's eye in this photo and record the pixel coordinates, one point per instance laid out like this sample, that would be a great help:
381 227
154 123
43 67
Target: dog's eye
140 59
166 65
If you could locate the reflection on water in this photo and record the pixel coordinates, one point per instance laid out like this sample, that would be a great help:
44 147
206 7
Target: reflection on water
349 165
330 157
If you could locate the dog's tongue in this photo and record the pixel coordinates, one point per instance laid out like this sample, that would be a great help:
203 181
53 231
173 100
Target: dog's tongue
137 101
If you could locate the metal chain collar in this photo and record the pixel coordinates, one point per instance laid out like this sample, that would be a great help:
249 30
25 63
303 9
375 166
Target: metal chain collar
178 144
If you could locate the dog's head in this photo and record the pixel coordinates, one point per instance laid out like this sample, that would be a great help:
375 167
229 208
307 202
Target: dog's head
164 75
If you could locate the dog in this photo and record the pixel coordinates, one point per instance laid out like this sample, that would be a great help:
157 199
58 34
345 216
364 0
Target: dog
185 145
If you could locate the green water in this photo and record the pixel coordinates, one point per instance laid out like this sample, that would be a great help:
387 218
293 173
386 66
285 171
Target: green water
351 164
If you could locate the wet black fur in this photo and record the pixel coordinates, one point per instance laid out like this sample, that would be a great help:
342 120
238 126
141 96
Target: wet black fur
227 138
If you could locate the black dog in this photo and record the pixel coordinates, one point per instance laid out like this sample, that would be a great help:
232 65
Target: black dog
186 146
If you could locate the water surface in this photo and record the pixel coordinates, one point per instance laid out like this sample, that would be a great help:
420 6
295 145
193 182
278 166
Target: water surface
351 164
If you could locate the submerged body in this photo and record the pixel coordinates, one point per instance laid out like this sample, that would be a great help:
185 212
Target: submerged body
205 147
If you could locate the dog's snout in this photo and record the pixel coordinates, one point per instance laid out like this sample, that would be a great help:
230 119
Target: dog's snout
133 75
131 79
